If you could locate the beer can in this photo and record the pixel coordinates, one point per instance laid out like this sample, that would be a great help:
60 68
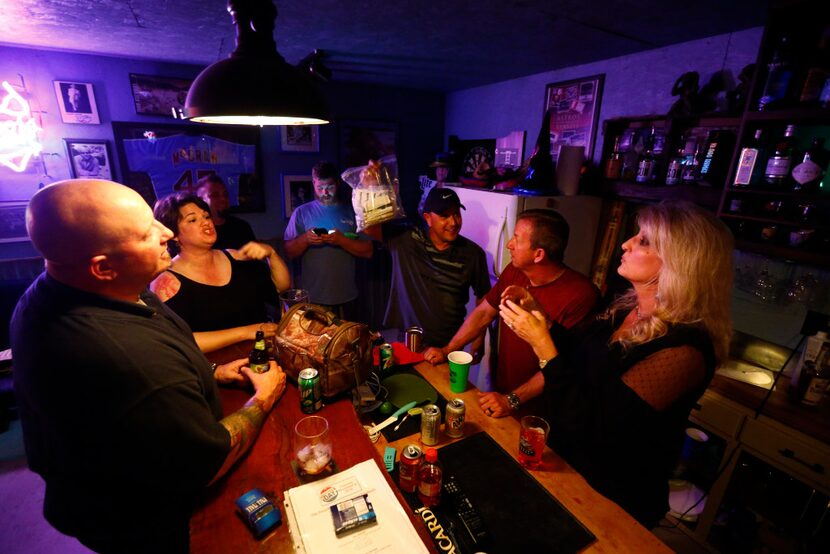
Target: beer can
454 418
430 425
385 359
414 338
411 458
311 399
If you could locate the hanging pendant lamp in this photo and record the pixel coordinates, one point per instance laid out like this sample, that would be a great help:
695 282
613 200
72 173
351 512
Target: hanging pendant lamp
254 85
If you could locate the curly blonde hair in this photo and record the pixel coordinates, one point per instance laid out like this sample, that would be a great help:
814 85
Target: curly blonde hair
695 282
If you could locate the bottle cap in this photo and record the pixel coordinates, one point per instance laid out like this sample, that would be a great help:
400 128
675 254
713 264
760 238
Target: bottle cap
260 335
431 455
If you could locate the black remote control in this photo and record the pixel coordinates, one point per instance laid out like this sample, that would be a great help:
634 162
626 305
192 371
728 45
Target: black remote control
470 518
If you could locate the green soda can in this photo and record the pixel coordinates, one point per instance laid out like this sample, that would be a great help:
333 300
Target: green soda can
385 360
308 381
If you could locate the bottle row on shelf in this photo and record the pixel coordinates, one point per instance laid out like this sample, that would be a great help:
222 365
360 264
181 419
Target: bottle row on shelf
780 165
781 234
794 211
702 157
798 71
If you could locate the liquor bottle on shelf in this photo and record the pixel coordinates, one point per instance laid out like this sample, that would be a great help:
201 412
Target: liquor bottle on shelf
674 172
719 146
779 76
818 71
749 163
778 165
647 164
807 174
613 167
691 170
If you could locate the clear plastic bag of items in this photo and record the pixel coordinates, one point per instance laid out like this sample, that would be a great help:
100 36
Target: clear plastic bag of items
375 192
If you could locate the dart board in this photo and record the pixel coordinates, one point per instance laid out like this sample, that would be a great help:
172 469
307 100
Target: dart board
474 159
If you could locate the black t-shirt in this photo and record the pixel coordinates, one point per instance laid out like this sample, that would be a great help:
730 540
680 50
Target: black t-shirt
431 287
623 447
234 233
242 301
120 415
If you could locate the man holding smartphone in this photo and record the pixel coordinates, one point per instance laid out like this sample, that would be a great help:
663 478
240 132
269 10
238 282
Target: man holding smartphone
322 234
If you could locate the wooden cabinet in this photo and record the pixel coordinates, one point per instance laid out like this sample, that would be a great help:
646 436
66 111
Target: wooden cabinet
770 219
769 471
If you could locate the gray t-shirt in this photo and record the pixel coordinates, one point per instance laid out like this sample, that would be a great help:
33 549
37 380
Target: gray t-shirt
431 287
327 271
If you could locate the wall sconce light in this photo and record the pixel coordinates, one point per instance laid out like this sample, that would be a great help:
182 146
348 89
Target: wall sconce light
254 85
18 130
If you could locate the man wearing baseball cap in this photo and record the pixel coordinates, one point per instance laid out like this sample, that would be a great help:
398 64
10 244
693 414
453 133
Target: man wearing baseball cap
433 270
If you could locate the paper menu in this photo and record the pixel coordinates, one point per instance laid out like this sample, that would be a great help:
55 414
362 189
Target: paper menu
308 511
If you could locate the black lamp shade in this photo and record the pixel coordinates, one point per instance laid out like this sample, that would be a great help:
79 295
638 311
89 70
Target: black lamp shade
255 90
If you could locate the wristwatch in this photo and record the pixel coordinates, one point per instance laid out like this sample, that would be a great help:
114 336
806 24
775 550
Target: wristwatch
513 401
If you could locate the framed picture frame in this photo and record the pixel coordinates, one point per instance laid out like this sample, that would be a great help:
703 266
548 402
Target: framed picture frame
361 141
155 95
296 191
76 102
574 113
300 138
193 151
88 158
13 222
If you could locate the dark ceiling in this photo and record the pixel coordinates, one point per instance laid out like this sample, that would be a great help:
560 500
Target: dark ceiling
443 46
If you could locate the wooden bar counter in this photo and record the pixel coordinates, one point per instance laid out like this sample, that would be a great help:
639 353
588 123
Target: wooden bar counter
215 527
615 530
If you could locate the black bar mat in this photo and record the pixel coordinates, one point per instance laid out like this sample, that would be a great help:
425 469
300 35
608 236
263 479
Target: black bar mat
519 513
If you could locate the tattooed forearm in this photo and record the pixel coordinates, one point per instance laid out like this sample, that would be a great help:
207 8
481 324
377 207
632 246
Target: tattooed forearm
243 427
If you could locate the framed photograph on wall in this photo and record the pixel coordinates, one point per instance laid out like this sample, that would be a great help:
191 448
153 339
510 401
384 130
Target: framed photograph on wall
13 222
159 95
361 141
88 158
574 113
300 138
76 102
296 191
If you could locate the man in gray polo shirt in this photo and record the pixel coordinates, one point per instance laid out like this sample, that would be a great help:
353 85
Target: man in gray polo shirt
433 270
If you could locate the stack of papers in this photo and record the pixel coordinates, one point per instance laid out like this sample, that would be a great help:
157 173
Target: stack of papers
308 509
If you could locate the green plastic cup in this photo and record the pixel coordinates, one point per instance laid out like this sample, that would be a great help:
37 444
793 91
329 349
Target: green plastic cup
459 370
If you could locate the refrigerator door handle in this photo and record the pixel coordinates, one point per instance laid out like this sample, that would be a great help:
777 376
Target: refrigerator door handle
497 259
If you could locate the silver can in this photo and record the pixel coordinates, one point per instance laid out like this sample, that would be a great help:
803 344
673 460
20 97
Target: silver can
414 338
454 418
430 425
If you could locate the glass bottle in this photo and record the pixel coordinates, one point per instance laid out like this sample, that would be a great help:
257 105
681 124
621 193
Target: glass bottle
807 174
749 163
816 377
613 167
818 70
691 171
258 358
430 476
646 165
778 165
674 172
779 76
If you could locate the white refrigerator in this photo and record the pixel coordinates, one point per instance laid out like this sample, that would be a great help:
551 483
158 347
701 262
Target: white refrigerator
490 219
